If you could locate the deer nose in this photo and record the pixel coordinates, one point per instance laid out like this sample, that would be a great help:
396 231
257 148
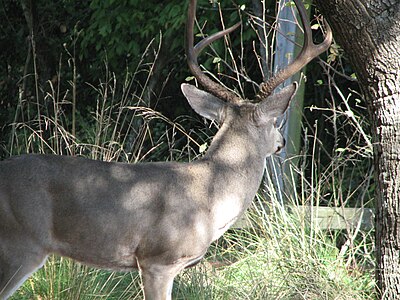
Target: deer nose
280 146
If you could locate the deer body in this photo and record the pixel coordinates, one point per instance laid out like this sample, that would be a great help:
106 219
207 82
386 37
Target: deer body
110 214
157 217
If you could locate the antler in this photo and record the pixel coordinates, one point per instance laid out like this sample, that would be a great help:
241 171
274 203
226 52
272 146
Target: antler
192 53
307 53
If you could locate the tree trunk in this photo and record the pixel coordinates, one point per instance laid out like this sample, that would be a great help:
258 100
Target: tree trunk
369 32
42 57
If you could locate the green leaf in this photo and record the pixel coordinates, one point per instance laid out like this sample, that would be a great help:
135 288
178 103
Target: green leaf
315 26
203 148
216 60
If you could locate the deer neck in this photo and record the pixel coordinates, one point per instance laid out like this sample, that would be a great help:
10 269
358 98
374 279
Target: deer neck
238 151
236 166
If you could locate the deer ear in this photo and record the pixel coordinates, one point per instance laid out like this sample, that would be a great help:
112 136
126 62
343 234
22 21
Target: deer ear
205 104
276 104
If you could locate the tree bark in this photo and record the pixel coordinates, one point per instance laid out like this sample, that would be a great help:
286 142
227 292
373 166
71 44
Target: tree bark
45 65
369 32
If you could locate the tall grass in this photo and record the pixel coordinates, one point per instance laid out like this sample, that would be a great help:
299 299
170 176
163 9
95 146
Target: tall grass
61 278
281 255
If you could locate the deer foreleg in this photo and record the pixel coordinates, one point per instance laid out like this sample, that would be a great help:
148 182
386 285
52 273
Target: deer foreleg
158 280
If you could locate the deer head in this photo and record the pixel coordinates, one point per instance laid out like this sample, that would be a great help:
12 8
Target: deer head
216 102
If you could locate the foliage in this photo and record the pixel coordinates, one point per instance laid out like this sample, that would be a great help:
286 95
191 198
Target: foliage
119 28
336 126
118 31
121 127
86 36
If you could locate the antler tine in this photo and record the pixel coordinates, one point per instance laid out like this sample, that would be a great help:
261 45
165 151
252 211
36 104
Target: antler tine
192 53
307 53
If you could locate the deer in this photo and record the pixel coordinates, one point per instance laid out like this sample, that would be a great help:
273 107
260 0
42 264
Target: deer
156 217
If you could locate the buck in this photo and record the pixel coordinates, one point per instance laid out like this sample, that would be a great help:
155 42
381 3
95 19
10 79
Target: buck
156 217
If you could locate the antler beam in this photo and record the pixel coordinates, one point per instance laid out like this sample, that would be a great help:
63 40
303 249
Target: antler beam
307 53
192 53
